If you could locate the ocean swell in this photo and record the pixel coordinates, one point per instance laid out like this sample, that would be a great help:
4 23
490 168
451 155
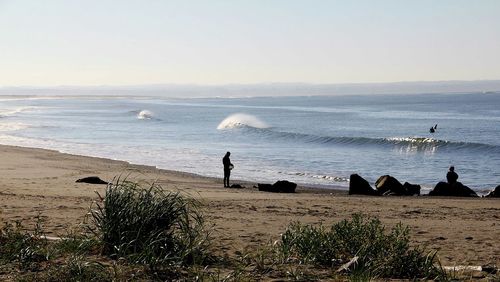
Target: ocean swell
413 143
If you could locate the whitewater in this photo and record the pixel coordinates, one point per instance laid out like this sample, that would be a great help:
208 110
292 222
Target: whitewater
313 140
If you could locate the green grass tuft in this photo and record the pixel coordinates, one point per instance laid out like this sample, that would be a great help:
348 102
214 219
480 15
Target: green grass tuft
150 226
21 248
380 254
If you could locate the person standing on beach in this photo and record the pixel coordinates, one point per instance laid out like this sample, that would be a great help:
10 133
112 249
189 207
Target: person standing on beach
227 168
452 176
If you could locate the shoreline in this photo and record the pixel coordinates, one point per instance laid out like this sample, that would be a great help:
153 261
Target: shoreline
337 189
309 187
39 182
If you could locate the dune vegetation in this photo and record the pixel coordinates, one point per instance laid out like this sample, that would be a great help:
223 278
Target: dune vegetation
138 232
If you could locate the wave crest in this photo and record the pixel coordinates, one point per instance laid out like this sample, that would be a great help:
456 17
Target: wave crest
409 143
416 140
145 114
241 120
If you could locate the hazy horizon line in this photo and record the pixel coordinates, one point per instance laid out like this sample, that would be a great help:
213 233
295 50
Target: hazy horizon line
194 84
262 89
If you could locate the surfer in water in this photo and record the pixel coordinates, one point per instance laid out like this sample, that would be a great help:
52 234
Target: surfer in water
227 168
433 128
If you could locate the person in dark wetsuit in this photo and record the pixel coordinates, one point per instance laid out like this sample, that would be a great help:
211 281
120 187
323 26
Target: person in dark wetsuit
227 168
432 130
452 176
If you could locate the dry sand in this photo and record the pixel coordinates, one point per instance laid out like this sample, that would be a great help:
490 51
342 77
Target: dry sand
42 182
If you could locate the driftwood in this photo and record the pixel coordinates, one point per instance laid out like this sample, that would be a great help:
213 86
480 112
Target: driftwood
346 266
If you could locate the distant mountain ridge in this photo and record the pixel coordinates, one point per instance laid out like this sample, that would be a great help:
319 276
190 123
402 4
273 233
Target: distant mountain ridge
262 89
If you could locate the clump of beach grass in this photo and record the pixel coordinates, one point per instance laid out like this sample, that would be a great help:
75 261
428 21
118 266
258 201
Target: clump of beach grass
24 249
378 254
150 226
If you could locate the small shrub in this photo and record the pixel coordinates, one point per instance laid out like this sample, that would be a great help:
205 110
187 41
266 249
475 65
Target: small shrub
25 249
150 226
380 254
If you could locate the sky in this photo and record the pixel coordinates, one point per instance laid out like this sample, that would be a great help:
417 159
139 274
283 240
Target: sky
214 42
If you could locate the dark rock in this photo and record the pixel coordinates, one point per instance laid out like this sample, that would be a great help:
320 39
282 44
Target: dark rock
463 191
457 190
441 189
236 186
282 186
285 186
265 187
92 180
358 185
495 193
388 185
411 189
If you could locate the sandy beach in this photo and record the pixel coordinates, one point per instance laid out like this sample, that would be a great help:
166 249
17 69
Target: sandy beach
35 182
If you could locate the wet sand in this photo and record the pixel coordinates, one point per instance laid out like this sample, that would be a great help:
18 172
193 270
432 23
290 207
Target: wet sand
34 182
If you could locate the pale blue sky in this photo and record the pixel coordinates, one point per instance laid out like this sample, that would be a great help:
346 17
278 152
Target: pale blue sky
87 42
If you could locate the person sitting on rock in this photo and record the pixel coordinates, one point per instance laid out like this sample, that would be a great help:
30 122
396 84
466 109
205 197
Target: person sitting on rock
452 176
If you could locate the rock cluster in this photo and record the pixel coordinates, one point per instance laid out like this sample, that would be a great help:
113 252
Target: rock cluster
282 186
388 185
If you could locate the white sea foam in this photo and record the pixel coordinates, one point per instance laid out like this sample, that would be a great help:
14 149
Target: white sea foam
145 114
12 126
331 178
414 139
11 112
240 120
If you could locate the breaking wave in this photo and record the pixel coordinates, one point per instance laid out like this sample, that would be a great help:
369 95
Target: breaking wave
242 120
413 143
145 114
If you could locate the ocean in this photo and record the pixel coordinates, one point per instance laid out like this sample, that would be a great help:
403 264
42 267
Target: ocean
313 140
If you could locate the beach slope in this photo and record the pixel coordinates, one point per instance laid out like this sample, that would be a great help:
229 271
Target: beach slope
37 182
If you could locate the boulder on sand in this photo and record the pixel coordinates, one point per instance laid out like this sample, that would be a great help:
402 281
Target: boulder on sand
282 186
92 180
495 193
388 185
411 189
285 186
359 186
265 187
456 190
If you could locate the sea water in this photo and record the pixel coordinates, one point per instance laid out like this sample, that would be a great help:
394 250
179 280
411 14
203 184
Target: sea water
316 140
